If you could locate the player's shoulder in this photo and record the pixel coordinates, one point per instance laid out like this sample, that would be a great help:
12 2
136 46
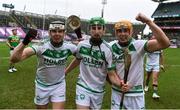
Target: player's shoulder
68 44
105 43
139 42
41 46
86 37
19 37
84 42
10 36
42 43
112 42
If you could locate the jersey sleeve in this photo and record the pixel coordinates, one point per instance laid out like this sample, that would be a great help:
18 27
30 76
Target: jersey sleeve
109 59
73 49
141 46
35 48
111 43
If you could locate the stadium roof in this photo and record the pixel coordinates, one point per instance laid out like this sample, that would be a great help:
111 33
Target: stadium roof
164 10
160 1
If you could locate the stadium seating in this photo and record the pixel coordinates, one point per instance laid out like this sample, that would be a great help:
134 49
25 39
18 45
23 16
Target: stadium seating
27 20
167 17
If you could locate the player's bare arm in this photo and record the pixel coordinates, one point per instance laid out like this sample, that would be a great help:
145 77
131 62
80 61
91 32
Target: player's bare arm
8 44
115 80
161 41
72 65
21 53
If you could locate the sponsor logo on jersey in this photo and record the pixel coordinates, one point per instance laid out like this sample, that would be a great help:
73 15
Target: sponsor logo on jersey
93 58
53 57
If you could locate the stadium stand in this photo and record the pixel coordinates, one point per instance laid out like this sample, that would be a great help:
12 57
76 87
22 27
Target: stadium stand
167 17
27 20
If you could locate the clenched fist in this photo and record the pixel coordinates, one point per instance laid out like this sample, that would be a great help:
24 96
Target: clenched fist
141 17
32 33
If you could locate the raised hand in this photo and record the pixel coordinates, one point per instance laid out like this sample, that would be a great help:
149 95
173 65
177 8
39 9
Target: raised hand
32 33
141 17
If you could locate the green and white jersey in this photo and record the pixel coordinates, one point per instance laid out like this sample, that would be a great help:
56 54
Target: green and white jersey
136 49
94 65
153 58
52 62
13 41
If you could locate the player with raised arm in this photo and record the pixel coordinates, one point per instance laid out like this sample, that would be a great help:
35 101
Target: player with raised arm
133 89
50 85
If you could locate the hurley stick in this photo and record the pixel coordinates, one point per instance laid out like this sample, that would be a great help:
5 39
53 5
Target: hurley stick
127 63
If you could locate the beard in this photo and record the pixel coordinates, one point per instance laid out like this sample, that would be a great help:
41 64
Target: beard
95 41
56 44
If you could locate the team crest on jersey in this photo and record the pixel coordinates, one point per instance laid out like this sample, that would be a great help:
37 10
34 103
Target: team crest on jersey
82 96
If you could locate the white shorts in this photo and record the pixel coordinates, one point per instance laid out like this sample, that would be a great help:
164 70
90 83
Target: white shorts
90 99
130 102
55 93
150 68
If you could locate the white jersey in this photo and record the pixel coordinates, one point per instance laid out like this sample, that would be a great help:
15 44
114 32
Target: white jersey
136 71
94 65
52 62
153 58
